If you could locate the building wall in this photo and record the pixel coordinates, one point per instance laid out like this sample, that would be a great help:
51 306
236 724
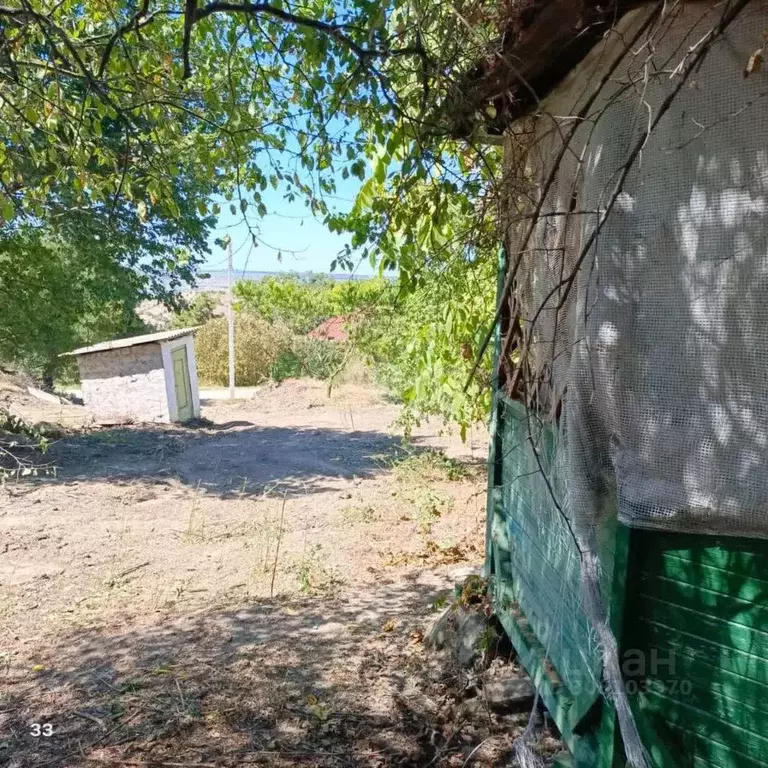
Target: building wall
666 322
696 616
125 384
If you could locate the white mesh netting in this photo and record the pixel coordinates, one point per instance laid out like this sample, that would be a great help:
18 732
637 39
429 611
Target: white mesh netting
661 347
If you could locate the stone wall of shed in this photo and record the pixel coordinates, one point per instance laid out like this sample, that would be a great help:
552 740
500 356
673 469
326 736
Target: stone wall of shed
125 385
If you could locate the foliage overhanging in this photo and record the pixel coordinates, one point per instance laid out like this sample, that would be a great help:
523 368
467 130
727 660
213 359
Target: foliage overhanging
140 118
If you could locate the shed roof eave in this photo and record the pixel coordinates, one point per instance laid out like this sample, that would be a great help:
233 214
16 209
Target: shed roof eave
532 62
132 341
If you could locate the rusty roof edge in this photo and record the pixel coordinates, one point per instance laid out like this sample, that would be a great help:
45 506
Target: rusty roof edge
532 63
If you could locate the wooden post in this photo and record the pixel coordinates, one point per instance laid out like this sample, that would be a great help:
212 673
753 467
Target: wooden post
230 324
495 427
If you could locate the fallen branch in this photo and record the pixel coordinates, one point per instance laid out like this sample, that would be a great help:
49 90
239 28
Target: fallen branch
92 718
133 570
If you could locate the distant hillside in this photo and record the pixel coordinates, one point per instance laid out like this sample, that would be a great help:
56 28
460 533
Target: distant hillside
218 277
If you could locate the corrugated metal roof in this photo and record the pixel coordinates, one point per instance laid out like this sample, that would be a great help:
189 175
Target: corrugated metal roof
132 341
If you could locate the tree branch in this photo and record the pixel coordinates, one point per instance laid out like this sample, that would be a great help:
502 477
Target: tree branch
335 31
120 31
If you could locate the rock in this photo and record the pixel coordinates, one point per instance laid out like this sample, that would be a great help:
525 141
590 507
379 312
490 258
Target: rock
473 710
419 703
50 429
45 396
470 630
509 694
458 631
442 633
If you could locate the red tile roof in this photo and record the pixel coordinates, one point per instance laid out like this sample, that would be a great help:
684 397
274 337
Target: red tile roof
333 329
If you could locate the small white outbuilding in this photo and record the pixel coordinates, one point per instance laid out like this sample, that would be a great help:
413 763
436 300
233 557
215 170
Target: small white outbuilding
149 378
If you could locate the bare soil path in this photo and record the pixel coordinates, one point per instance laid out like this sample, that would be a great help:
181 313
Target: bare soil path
250 589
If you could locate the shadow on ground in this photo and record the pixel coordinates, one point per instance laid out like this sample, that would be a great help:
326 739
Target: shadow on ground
323 682
236 457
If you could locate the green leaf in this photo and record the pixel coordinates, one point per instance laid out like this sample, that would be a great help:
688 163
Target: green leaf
381 171
7 208
366 194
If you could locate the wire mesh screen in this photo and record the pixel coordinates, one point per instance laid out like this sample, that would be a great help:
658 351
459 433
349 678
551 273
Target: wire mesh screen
644 287
541 562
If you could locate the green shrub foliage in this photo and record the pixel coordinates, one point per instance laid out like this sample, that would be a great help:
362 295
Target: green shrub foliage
304 302
258 345
198 311
419 337
319 358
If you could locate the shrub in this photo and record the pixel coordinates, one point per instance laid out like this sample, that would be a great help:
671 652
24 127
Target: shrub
430 465
302 302
319 358
422 347
200 310
286 366
258 346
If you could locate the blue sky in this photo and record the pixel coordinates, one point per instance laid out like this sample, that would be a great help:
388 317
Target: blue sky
289 228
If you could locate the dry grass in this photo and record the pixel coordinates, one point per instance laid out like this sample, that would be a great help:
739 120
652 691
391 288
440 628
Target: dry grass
342 681
137 591
429 466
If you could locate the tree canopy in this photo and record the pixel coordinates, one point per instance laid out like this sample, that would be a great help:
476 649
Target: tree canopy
116 102
139 118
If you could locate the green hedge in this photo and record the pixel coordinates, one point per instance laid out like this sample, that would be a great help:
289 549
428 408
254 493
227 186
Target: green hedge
263 351
257 346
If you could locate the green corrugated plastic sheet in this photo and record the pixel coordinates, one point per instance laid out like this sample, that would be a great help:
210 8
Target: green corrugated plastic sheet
537 565
698 612
694 630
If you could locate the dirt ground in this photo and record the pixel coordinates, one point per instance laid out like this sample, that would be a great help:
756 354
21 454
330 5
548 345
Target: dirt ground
253 588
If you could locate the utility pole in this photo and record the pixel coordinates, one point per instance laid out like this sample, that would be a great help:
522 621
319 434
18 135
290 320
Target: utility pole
230 324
